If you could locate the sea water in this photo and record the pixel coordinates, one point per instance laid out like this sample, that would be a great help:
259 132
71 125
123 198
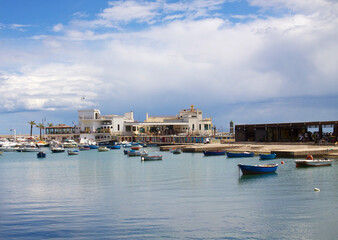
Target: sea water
108 195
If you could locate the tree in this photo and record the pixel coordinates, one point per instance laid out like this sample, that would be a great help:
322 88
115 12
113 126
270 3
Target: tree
41 127
32 123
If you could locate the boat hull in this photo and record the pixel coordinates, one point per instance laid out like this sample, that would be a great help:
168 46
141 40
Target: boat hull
258 169
313 163
240 155
151 158
267 156
41 155
213 153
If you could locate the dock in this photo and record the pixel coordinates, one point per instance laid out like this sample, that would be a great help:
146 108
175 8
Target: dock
281 149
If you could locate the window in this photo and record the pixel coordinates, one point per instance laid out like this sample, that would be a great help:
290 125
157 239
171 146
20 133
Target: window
118 127
193 127
200 127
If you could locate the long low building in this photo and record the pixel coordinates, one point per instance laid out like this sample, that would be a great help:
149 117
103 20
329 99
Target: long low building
94 126
287 132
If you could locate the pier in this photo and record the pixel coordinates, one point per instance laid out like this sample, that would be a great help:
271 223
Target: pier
281 149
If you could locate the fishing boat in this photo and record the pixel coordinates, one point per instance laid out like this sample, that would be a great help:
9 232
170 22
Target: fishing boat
103 149
258 169
114 146
240 155
151 158
267 156
69 143
41 154
94 146
73 152
137 153
135 148
214 153
57 149
176 151
313 163
84 148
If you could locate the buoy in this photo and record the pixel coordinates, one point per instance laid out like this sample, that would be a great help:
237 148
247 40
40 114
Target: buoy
282 162
316 190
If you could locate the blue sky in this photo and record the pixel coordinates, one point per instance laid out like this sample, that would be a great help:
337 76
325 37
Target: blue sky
251 61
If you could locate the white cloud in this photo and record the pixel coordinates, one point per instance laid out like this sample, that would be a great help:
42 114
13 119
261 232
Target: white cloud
210 59
58 27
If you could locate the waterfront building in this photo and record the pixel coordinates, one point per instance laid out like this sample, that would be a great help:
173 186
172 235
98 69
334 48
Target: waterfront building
288 132
97 127
103 128
60 132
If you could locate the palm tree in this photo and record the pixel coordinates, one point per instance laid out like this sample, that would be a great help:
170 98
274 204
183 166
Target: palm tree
41 127
32 123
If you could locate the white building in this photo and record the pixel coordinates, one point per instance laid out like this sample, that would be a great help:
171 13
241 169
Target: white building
97 127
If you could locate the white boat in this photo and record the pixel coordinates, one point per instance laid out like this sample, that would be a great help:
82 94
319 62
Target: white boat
57 149
69 144
103 149
313 163
28 147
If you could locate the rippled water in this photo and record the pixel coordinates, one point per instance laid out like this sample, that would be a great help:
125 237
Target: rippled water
107 195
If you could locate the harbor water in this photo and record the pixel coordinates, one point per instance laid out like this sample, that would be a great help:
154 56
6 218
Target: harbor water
108 195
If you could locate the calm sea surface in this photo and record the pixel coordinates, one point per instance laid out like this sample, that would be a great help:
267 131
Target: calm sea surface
107 195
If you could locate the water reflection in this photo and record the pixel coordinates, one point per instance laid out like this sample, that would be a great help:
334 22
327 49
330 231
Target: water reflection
258 177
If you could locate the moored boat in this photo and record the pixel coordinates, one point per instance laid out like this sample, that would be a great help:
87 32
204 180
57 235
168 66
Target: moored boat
84 148
135 148
41 154
313 163
151 158
267 156
103 149
69 143
214 153
240 155
73 152
114 146
258 169
176 151
137 153
57 149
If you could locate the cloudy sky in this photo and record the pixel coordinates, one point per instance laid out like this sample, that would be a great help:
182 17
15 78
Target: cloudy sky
253 61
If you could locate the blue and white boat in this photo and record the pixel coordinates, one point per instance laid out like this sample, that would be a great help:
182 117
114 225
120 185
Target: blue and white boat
240 155
258 169
267 156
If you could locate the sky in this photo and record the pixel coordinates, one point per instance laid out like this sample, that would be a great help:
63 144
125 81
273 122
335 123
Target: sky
252 61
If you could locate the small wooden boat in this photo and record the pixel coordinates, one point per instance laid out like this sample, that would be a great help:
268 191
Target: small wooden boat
41 155
114 146
103 149
313 163
127 151
176 151
151 158
73 152
57 149
258 169
267 156
240 155
135 148
93 146
137 153
214 153
84 148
